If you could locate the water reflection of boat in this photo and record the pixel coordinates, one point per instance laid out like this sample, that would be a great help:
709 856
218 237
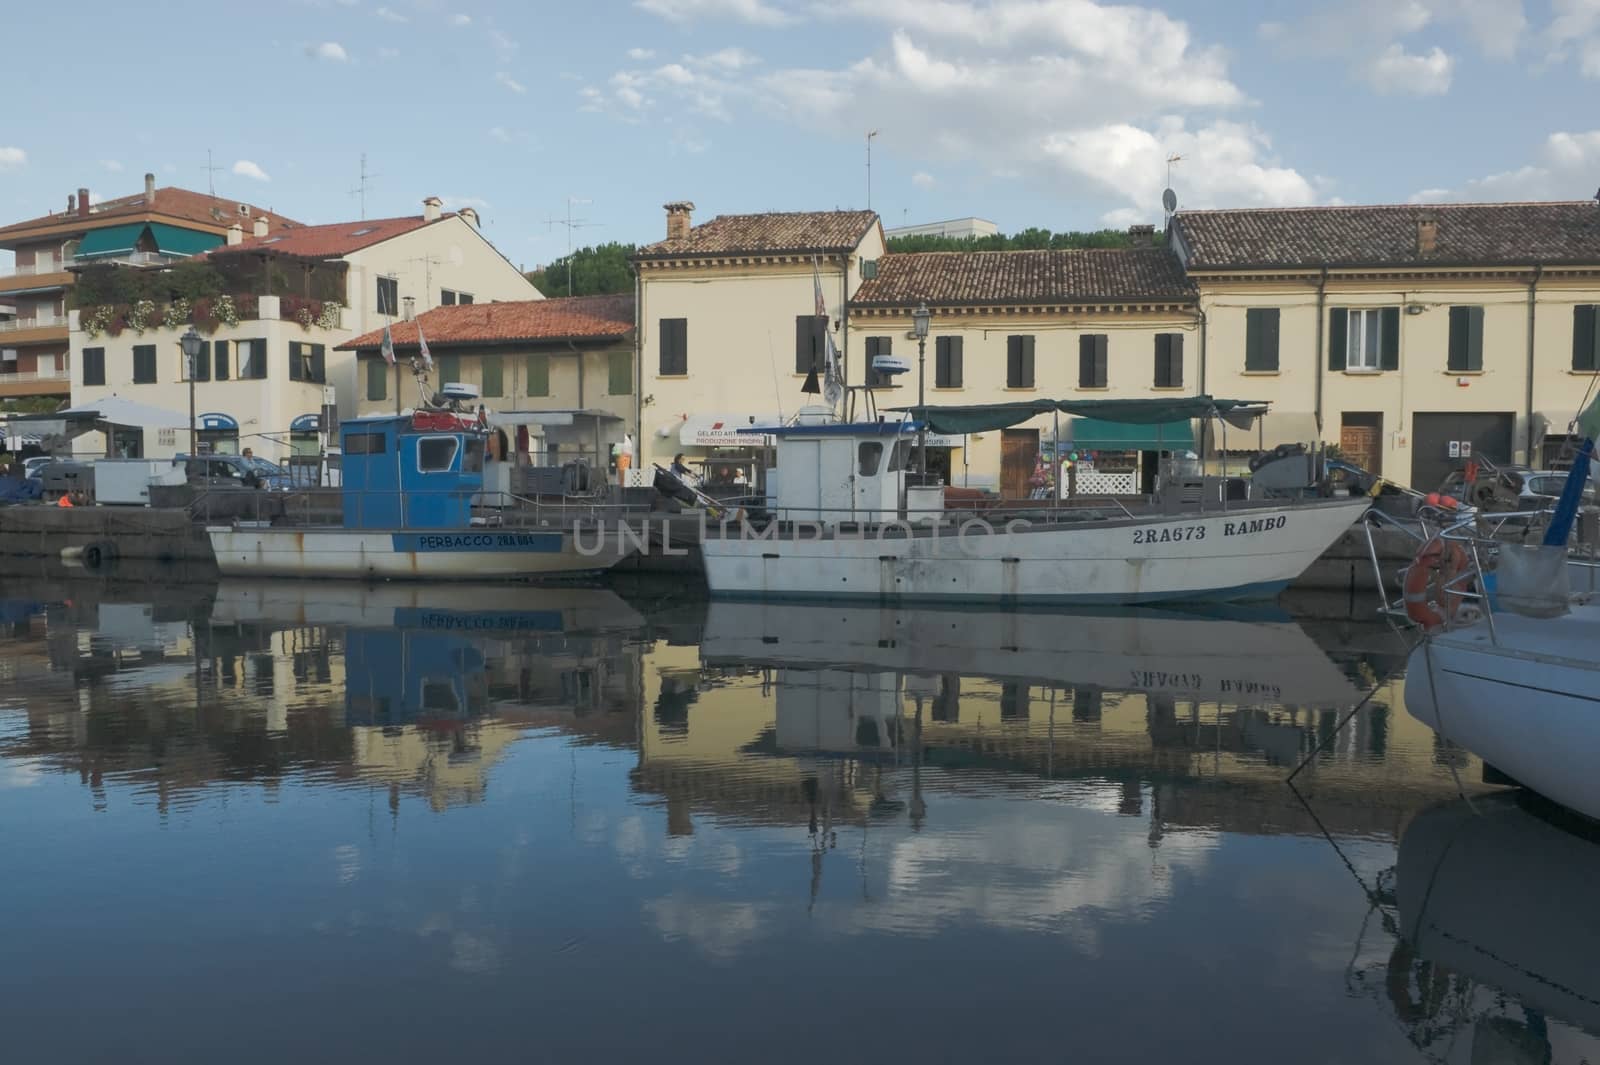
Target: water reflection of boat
1217 659
445 608
1495 894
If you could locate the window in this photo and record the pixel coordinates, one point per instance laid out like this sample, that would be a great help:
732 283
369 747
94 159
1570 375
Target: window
870 456
306 362
1466 339
1586 337
619 368
494 376
144 364
1019 362
1261 340
465 298
538 375
94 366
1364 340
388 296
447 298
947 362
473 463
219 359
810 343
202 363
436 454
364 444
252 360
377 379
1169 360
1092 360
878 346
449 369
674 347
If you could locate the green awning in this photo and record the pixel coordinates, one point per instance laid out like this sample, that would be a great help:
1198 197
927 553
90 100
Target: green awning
1093 434
174 241
112 240
984 417
980 417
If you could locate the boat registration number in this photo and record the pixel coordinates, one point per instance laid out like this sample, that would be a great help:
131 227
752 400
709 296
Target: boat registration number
1169 534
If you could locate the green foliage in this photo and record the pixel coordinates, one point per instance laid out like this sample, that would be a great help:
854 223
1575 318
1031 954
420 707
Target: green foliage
108 284
32 405
1030 239
595 271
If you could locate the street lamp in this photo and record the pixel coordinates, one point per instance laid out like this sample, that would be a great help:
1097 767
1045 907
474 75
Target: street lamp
191 344
919 326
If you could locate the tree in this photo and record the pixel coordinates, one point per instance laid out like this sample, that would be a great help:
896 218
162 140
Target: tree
596 271
1032 238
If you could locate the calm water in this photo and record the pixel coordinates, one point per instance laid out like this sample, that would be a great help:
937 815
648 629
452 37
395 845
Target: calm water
267 822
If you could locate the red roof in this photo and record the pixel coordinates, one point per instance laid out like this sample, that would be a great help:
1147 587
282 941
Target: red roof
215 213
574 318
330 241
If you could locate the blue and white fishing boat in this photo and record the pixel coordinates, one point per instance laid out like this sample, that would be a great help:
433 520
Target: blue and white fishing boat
410 482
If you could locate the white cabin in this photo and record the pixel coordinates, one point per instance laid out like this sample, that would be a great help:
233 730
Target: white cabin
833 472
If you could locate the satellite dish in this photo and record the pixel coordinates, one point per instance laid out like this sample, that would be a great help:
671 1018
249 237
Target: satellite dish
1169 200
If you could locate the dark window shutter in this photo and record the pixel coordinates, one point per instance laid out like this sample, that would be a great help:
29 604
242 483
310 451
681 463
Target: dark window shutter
1390 339
220 359
1457 358
1584 336
1254 338
202 362
1338 337
956 356
807 343
1027 358
1086 362
1269 346
674 346
879 346
294 360
319 363
1174 360
1102 378
1475 339
1019 362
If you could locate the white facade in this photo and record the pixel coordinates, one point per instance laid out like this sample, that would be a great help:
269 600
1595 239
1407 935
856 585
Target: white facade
959 228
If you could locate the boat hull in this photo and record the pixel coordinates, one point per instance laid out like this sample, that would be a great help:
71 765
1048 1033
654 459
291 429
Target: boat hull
474 554
1217 556
1534 717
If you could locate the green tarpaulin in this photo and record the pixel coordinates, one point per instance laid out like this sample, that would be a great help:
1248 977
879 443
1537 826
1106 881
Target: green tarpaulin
1092 434
112 240
985 417
174 241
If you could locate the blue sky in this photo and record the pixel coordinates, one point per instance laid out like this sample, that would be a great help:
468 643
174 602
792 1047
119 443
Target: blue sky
1058 113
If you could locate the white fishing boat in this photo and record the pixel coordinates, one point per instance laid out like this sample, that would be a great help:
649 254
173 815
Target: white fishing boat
409 486
845 524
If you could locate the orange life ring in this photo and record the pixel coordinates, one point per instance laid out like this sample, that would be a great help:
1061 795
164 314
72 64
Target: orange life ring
1436 567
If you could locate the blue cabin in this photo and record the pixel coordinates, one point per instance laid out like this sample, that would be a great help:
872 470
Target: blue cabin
411 471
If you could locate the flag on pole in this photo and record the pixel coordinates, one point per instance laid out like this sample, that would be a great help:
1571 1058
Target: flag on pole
422 342
832 378
388 345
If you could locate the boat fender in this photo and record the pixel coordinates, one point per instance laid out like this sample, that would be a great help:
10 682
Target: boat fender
1436 567
98 554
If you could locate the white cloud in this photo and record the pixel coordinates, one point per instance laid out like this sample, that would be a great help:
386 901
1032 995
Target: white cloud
755 12
1397 71
112 165
509 82
391 15
330 51
499 133
12 158
504 47
460 20
922 179
246 168
639 55
1565 168
1574 32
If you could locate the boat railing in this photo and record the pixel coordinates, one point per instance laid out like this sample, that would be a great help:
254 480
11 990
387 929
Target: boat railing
327 508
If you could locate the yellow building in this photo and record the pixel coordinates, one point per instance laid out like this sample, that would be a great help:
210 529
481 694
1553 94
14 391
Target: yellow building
1412 336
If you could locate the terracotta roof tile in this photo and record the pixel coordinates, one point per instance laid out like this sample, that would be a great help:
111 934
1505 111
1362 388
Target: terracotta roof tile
329 241
215 213
793 231
946 278
1466 234
568 318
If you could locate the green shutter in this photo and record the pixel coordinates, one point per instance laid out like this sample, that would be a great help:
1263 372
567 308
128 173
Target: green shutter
1254 338
449 370
220 350
538 375
1475 338
1338 338
377 379
1584 337
1390 339
1457 357
1270 342
620 372
492 371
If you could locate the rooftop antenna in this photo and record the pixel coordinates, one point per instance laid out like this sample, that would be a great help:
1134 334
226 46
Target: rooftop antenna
571 224
1169 199
211 171
871 133
361 189
1170 160
428 263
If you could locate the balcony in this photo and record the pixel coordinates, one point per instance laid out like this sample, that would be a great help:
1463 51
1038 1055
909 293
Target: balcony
41 383
47 276
30 330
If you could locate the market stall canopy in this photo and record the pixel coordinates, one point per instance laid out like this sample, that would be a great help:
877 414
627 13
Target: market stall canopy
1093 434
986 417
1278 427
113 410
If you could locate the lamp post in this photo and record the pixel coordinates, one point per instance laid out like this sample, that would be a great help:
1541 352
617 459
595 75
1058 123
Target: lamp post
919 326
191 343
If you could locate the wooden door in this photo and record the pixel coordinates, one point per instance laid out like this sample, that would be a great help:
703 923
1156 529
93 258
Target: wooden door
1362 444
1019 454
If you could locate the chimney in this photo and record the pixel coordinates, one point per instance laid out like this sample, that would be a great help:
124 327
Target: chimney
83 203
1427 236
471 215
679 213
150 190
430 209
1142 234
236 234
258 228
72 204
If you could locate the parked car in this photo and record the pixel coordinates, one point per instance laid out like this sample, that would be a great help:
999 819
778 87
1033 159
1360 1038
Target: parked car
31 467
234 471
1541 488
